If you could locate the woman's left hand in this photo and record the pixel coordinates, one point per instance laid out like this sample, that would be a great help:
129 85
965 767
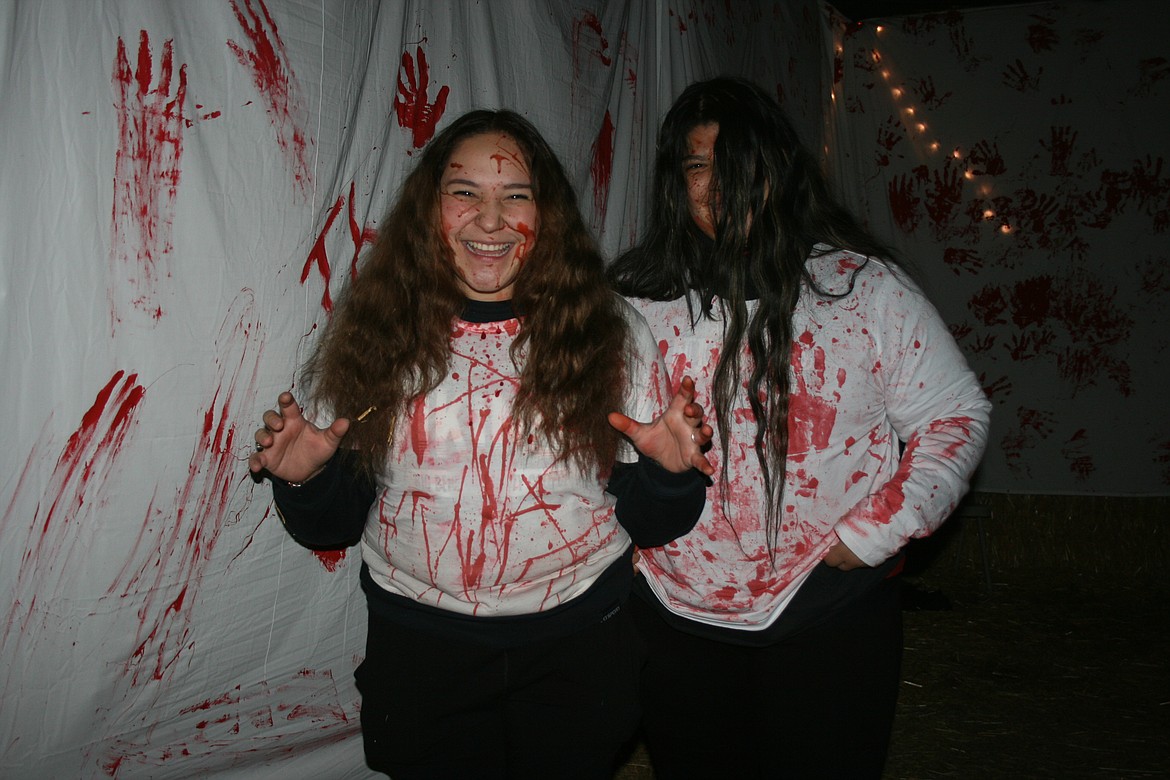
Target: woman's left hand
677 437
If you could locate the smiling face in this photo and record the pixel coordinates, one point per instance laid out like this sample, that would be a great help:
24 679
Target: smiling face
698 170
489 214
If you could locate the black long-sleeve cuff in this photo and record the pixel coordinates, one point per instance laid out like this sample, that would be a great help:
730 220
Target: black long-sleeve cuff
654 505
329 510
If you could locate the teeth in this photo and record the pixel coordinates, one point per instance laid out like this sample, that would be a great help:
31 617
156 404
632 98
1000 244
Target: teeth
488 249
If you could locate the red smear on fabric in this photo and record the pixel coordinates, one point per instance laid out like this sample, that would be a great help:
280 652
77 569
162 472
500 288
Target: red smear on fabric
147 169
811 417
418 430
319 256
601 167
330 559
268 61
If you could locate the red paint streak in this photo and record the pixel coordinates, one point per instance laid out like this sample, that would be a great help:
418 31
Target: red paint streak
601 167
418 430
57 536
147 169
358 234
259 716
272 74
589 41
412 105
330 559
164 571
319 256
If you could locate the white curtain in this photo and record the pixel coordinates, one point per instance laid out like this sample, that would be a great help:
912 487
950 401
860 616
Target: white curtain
187 185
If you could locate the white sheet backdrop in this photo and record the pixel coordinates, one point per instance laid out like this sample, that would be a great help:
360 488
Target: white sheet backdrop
187 184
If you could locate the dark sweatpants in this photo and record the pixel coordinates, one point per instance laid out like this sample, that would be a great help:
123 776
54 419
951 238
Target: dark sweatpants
818 704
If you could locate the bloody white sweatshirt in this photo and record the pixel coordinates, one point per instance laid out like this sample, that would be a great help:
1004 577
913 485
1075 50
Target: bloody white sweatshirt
472 515
869 370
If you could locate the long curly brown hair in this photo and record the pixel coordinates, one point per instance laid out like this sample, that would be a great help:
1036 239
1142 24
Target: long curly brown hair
389 340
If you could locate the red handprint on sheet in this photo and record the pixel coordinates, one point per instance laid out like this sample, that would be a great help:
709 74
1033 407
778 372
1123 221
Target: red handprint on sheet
1017 76
146 167
274 79
411 103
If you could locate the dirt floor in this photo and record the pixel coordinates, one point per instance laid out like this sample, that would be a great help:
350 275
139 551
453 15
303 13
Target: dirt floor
1051 678
1044 674
1041 677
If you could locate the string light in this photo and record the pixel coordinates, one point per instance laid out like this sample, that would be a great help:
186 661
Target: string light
913 123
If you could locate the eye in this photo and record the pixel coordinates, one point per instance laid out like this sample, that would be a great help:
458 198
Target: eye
519 196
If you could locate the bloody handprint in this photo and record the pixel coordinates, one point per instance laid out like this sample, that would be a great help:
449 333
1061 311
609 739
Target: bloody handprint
411 103
274 79
903 192
1016 76
146 166
985 158
944 193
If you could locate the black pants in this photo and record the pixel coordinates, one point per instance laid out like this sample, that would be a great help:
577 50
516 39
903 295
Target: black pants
437 708
819 704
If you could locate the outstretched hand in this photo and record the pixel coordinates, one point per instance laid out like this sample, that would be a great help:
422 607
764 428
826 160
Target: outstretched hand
676 438
291 448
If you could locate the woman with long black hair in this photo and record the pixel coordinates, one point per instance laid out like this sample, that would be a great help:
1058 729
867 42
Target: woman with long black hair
847 422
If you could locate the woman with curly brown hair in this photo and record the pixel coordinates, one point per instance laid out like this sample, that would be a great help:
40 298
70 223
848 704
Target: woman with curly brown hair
462 391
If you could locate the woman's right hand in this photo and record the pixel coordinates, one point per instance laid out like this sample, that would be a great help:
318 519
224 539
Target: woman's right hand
291 448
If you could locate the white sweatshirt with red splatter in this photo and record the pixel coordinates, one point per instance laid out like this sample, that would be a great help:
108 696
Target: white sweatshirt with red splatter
473 516
868 370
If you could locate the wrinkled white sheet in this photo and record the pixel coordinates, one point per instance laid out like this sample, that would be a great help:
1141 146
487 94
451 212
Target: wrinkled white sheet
187 185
